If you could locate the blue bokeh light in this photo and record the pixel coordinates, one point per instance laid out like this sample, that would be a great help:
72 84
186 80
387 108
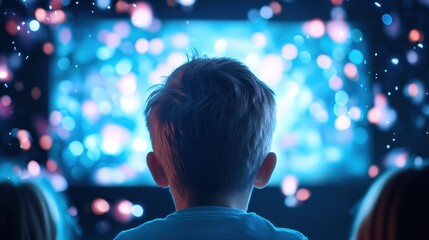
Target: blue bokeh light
34 25
387 19
356 56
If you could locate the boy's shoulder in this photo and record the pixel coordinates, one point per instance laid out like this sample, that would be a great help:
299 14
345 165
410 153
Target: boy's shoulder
139 231
210 223
278 232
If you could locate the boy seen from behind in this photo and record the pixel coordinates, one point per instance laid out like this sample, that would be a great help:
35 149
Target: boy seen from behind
211 126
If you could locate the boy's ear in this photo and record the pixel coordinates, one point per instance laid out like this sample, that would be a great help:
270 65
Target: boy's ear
267 168
156 170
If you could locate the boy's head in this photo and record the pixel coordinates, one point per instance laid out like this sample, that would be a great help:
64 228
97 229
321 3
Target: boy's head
211 127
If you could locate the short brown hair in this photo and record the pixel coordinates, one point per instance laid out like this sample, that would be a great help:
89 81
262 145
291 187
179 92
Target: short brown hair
211 126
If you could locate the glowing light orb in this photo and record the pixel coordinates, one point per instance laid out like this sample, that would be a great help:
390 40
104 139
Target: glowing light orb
252 61
102 176
401 160
121 6
25 145
318 111
5 100
418 161
114 138
337 2
338 31
355 113
415 91
380 100
52 17
90 110
412 57
276 65
266 12
40 14
341 98
33 168
156 46
34 25
137 210
387 19
338 13
142 46
65 36
291 201
73 211
356 56
103 226
5 73
122 29
130 104
103 4
51 165
68 123
303 194
289 185
55 118
350 70
373 171
289 51
24 139
48 48
36 93
141 15
123 67
11 27
220 45
59 183
100 206
314 28
324 62
333 154
186 3
93 154
122 211
374 115
180 40
259 40
176 59
112 40
415 36
140 144
342 123
76 148
45 142
335 83
127 85
276 7
104 53
298 40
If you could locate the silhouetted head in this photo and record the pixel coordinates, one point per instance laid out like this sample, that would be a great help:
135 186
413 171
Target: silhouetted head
211 126
396 207
30 209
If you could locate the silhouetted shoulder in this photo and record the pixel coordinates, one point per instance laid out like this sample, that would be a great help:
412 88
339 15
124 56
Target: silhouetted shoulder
276 232
211 223
140 231
292 234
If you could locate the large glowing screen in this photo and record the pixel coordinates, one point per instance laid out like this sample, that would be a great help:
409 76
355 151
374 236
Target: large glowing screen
102 70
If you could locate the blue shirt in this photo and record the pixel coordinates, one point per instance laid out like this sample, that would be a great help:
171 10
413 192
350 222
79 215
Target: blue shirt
217 223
